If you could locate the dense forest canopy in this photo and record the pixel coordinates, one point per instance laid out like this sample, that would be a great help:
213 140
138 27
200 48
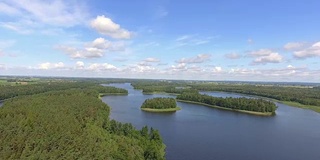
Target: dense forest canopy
248 104
14 91
159 103
307 96
69 124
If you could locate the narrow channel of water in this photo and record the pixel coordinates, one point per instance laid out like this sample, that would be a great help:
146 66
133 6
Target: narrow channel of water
199 132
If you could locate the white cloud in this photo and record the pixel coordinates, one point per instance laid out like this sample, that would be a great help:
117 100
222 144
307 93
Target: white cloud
293 46
192 40
48 65
217 69
101 67
290 66
5 8
101 43
55 12
107 27
151 60
81 53
311 51
260 52
142 69
232 56
17 27
2 66
200 58
271 58
179 67
79 65
264 56
94 49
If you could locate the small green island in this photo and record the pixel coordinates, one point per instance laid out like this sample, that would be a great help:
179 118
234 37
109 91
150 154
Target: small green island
160 105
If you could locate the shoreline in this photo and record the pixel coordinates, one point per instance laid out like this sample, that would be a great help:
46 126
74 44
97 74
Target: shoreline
229 109
164 93
161 110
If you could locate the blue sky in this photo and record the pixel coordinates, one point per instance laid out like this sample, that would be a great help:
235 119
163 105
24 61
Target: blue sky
168 39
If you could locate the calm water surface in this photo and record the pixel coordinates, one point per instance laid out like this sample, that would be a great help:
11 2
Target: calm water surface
199 132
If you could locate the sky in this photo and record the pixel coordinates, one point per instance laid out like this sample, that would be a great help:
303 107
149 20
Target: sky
231 40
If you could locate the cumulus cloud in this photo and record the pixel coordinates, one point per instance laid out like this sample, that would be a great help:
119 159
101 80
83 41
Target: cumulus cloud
293 46
217 69
200 58
179 67
232 56
48 65
79 65
264 56
75 53
102 43
311 51
142 69
94 49
101 67
106 26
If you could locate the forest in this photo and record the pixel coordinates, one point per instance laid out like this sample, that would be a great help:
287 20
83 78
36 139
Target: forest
247 104
307 96
159 103
297 95
69 123
8 91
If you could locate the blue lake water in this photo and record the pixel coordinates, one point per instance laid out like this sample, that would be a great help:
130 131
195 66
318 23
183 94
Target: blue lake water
199 132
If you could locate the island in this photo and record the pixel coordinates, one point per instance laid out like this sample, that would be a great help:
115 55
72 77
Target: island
244 105
160 105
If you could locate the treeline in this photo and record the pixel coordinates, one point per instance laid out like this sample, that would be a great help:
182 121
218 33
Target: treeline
108 89
71 124
159 103
150 140
256 105
307 96
151 86
14 91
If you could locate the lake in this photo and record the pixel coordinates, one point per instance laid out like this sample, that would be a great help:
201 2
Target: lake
199 132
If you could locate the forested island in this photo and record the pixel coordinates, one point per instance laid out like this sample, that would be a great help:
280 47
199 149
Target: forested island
246 105
160 105
69 123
